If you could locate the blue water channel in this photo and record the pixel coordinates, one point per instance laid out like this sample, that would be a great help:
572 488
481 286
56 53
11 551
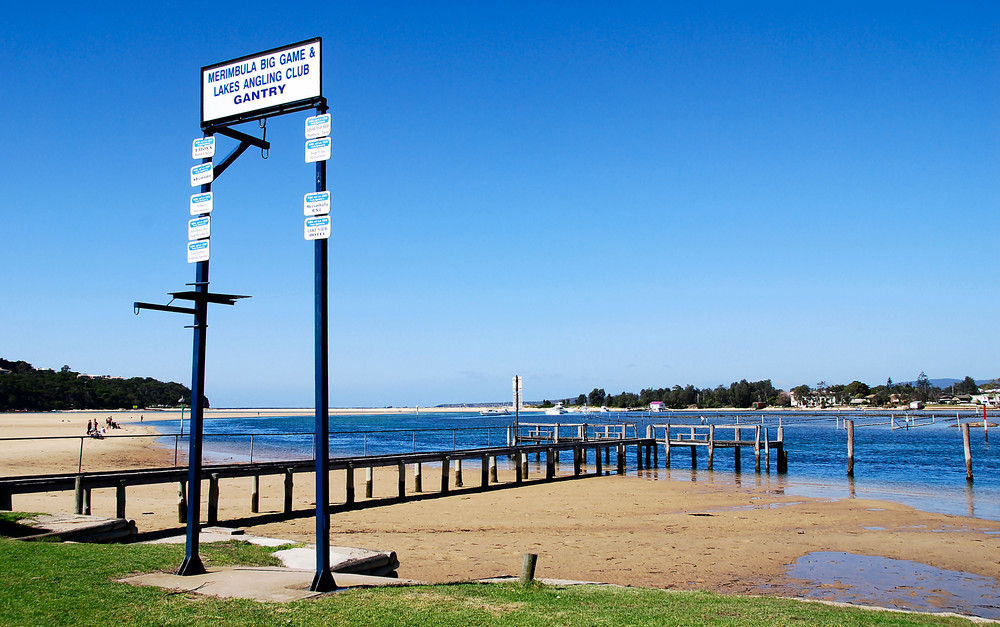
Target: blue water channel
915 459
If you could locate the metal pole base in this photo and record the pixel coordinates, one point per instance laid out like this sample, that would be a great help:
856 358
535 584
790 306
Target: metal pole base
323 582
191 566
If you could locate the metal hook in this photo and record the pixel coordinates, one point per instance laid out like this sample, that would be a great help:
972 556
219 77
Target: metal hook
262 123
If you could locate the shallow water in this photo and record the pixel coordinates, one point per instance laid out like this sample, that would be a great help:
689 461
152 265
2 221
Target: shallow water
900 584
921 466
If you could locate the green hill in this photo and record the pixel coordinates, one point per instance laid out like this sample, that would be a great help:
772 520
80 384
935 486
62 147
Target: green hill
24 388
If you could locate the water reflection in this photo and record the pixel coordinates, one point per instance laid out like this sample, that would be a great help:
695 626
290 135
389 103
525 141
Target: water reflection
901 584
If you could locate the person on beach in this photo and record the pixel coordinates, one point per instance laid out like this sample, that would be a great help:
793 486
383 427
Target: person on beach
90 427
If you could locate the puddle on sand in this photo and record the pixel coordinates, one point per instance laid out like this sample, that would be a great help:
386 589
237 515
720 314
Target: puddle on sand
901 584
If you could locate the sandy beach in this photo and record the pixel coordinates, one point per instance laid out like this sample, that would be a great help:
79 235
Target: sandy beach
722 532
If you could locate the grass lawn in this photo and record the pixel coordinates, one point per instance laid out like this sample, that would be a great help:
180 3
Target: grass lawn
49 583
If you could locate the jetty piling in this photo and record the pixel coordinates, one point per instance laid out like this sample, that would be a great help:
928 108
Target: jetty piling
850 447
967 446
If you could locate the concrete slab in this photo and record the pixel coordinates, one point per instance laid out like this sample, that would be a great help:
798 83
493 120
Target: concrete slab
216 536
274 584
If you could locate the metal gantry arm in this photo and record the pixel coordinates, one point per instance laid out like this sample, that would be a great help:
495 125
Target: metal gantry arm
201 297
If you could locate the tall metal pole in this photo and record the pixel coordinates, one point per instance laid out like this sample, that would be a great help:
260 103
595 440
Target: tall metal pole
192 562
323 579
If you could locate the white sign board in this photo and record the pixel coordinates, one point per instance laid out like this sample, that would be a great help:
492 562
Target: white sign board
238 89
202 174
318 126
199 228
317 149
198 251
318 228
203 148
316 203
201 203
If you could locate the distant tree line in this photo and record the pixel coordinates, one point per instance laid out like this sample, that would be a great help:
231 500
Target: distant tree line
23 388
743 394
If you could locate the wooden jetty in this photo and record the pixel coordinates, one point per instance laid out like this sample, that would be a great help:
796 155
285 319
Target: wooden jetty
590 446
693 436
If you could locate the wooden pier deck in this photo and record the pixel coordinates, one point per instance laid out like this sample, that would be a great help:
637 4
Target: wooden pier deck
591 448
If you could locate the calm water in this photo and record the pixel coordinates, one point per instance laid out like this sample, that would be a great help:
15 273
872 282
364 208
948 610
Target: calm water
922 466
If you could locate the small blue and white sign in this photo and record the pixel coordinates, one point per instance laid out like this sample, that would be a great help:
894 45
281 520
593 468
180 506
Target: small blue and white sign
317 149
318 126
203 148
316 203
199 228
198 251
202 174
318 228
201 203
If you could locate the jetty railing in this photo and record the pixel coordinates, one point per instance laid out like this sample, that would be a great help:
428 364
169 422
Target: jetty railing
574 431
83 483
694 436
250 447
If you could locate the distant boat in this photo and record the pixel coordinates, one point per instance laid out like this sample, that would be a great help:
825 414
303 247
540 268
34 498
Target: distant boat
495 411
556 411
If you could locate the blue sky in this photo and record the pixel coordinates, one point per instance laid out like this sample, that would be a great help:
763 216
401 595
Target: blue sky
616 195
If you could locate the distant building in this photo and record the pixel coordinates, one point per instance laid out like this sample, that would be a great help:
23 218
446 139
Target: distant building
813 399
656 406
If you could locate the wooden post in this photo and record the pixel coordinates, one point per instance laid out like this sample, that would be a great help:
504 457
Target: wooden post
418 484
518 471
182 508
445 470
607 455
458 473
120 499
967 445
349 485
782 456
484 472
576 460
369 481
78 495
524 466
493 469
87 493
255 494
666 445
850 447
767 451
711 447
620 458
550 464
736 456
597 461
694 457
287 508
649 453
213 499
528 568
756 449
401 481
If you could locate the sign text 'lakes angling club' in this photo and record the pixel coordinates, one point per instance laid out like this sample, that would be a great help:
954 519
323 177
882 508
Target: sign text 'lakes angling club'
261 81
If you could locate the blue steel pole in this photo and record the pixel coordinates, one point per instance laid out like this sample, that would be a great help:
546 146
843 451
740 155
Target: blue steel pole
192 562
323 579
